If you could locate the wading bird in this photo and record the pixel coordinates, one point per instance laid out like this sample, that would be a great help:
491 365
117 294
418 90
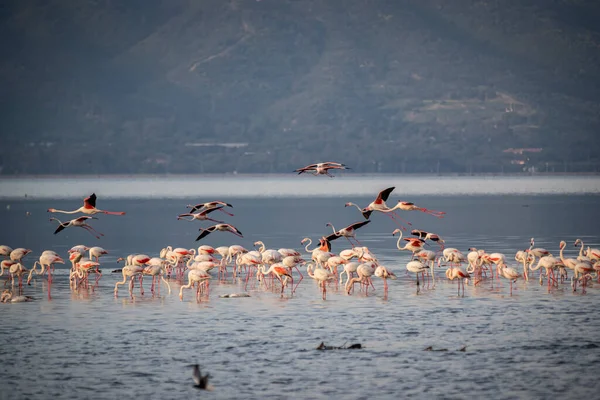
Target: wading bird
89 207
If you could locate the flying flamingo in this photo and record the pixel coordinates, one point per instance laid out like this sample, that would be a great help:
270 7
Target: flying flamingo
219 205
219 227
321 168
347 232
89 207
200 216
379 205
77 222
414 244
195 276
407 206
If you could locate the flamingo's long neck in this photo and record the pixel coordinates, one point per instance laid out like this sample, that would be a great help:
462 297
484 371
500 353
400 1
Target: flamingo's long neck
308 244
581 249
398 242
67 212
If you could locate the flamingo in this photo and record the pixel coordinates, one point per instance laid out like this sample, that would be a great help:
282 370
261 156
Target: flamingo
97 252
321 168
347 232
155 268
407 206
280 271
456 272
414 244
428 235
417 267
322 276
219 205
78 222
5 250
8 297
585 270
384 273
47 260
364 272
139 260
509 273
130 271
537 252
525 258
379 205
200 216
568 262
428 258
349 270
591 254
18 254
548 263
89 207
195 276
219 227
80 248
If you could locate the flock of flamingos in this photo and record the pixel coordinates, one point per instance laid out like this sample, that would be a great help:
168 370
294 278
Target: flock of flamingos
280 269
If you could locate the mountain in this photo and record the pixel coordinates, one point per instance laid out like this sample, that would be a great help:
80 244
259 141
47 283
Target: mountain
180 86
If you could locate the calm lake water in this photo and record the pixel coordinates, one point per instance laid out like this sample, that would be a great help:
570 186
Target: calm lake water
89 344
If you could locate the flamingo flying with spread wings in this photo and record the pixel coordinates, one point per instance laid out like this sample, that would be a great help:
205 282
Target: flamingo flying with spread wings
89 207
217 204
347 232
219 227
379 205
80 222
200 216
321 168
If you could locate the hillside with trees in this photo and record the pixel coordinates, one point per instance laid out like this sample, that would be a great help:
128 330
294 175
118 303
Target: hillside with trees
217 86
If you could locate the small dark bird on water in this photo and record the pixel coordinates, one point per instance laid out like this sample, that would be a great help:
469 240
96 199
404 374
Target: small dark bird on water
200 382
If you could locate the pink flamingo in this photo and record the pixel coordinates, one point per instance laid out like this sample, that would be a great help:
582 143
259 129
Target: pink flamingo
130 271
407 206
195 276
200 216
385 274
89 207
219 205
77 222
414 244
280 271
219 227
321 168
379 205
347 232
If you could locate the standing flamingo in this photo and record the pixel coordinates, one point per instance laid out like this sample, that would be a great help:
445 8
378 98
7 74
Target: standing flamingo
97 252
89 207
417 267
347 232
280 271
77 222
130 271
456 272
509 273
47 260
384 273
414 244
322 276
5 250
195 276
18 254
